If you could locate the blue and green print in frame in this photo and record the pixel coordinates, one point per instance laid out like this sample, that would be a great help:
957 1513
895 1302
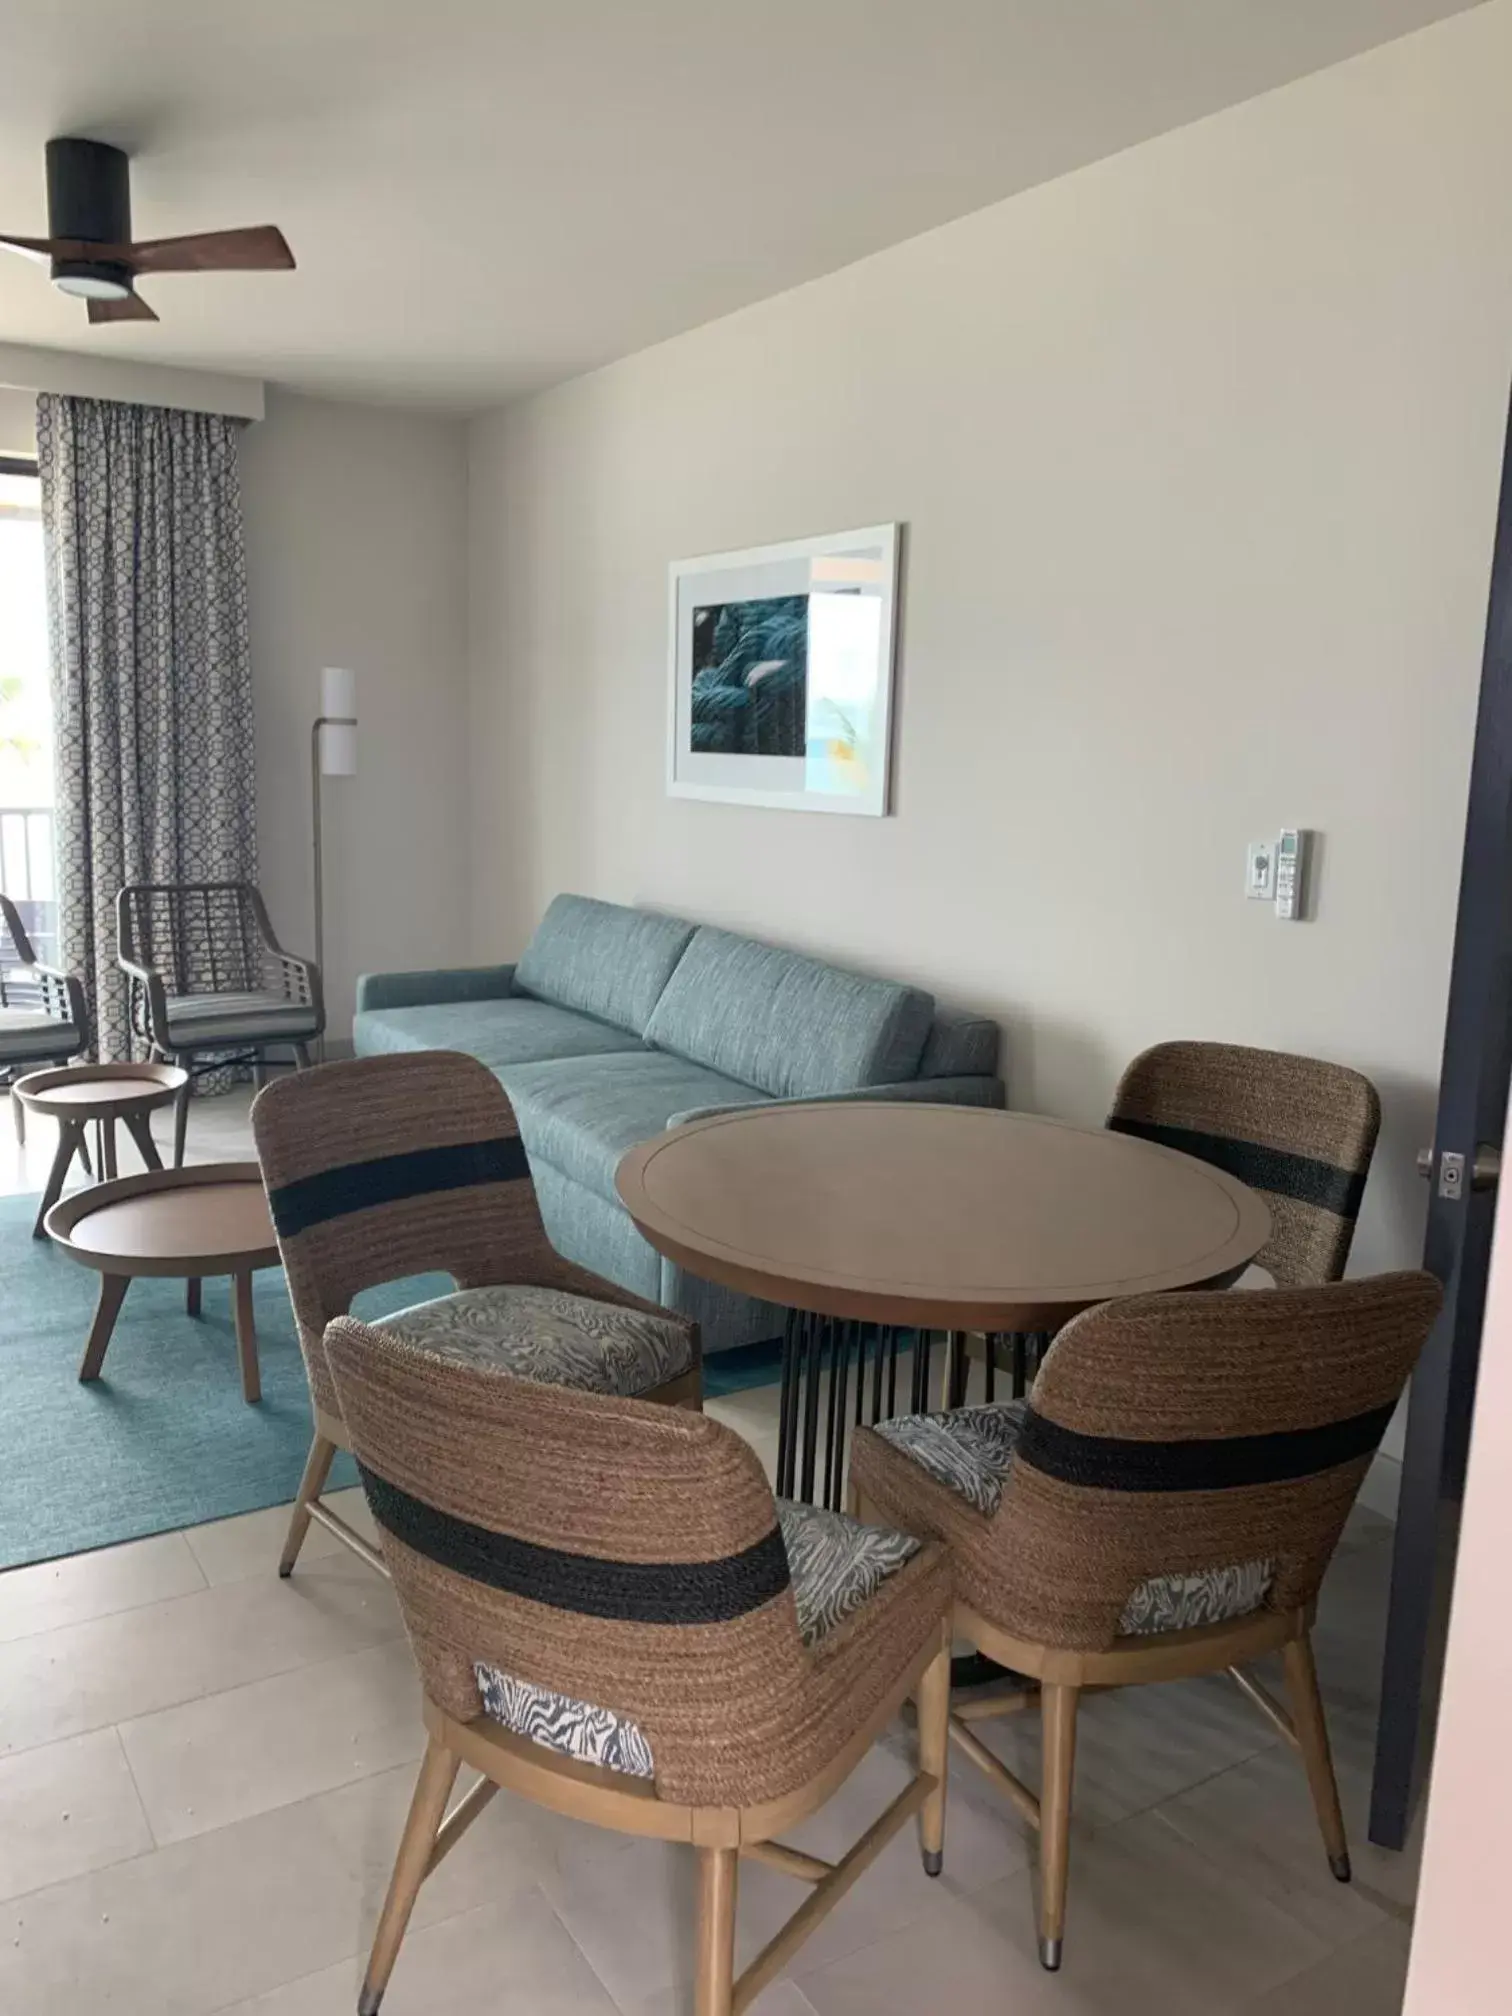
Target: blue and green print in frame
782 674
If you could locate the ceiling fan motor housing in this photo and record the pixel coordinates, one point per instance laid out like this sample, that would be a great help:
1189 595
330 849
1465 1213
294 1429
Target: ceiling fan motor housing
89 196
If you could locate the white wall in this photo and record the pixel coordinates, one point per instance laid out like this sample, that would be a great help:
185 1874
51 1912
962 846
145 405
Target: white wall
1197 451
356 556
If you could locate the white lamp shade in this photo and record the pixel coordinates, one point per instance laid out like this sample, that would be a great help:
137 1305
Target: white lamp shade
338 702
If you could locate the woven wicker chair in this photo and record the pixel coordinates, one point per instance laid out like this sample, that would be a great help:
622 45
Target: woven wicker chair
611 1618
43 1018
1164 1504
207 979
1298 1130
391 1166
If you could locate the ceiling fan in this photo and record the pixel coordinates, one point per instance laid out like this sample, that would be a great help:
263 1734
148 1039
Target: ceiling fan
91 247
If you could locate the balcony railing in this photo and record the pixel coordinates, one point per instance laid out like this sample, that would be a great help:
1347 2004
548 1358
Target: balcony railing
26 874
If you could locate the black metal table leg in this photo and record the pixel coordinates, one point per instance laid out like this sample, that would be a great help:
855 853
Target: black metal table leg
834 1454
813 1359
788 1409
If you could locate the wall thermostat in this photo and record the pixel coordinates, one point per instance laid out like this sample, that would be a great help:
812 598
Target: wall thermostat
1291 873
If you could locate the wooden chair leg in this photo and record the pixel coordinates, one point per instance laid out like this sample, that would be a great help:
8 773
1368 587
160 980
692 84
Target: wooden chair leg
1058 1706
714 1989
1312 1739
438 1772
181 1123
194 1296
933 1702
316 1470
112 1294
109 1168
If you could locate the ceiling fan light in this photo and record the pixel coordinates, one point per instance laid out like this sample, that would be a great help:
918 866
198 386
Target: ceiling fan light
91 286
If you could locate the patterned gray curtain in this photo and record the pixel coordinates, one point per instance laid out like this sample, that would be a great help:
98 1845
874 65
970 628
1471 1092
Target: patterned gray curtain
151 675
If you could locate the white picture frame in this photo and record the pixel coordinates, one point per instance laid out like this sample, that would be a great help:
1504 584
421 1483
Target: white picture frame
778 705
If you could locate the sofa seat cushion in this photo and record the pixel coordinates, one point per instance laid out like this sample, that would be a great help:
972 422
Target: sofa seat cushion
26 1033
498 1033
583 1115
795 1027
602 959
547 1336
836 1564
970 1450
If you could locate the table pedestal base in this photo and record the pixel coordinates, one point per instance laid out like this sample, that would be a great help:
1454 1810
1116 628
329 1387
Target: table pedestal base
815 1345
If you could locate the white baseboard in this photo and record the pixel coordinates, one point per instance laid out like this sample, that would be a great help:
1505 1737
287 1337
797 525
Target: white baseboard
1383 1484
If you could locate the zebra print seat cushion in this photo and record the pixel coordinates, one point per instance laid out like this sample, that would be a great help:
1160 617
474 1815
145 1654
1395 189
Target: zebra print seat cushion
836 1563
970 1452
550 1337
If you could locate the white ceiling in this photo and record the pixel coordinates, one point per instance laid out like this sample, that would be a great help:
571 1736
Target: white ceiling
486 196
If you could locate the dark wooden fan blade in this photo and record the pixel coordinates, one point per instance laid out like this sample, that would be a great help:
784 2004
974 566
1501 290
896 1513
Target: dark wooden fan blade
75 250
34 248
260 248
132 309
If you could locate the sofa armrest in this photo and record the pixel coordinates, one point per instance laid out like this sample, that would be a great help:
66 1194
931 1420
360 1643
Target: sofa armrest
932 1091
422 990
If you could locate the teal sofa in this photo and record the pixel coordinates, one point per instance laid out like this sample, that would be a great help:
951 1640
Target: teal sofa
616 1023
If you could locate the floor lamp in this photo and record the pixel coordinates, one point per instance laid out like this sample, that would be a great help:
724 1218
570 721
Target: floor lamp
333 753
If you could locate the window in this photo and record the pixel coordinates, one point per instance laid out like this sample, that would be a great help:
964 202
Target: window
26 754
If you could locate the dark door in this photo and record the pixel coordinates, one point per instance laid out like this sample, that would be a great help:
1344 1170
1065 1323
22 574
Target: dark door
1462 1167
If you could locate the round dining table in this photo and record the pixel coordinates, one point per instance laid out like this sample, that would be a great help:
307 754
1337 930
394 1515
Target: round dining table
879 1221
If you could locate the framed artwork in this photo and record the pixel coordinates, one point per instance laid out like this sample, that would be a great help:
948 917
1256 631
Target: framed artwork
782 674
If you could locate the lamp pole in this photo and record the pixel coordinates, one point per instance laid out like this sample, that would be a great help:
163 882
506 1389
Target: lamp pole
338 710
321 721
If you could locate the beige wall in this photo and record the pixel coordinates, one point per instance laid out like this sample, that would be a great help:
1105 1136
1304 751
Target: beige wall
18 421
1459 1949
1197 451
355 556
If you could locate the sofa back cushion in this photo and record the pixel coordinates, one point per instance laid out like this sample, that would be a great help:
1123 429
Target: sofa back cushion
602 959
790 1026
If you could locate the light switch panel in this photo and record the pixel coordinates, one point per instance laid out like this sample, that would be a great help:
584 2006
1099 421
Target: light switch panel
1260 871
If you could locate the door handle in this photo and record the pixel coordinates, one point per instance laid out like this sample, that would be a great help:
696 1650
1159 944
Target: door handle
1485 1170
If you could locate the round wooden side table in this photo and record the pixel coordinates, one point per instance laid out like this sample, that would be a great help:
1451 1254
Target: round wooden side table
864 1217
75 1094
211 1218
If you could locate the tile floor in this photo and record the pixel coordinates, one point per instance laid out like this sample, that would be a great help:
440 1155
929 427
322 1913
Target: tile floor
203 1772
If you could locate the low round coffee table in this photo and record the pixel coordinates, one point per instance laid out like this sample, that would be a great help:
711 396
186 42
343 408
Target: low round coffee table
75 1094
180 1223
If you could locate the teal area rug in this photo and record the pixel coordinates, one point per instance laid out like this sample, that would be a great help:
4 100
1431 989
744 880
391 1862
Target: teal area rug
163 1438
742 1367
